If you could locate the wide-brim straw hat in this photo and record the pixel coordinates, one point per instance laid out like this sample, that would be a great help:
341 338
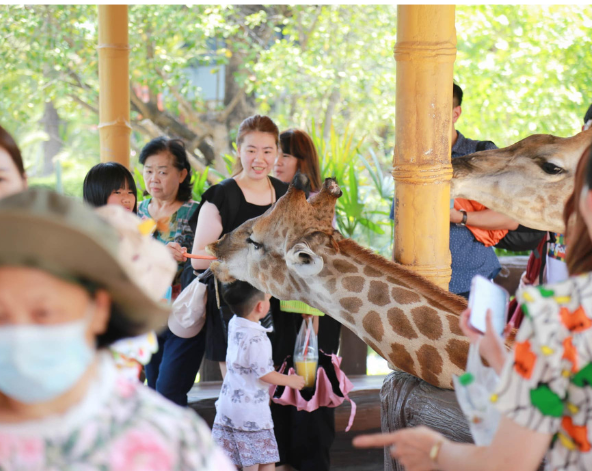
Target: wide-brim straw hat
67 238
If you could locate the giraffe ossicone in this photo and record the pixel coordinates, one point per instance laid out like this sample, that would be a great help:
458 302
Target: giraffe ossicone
294 253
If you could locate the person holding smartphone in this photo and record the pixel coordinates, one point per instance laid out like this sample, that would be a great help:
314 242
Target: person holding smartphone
546 380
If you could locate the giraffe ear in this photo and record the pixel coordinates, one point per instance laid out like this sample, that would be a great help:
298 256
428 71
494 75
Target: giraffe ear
303 260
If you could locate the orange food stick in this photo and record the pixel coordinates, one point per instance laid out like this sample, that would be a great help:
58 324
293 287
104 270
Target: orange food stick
200 257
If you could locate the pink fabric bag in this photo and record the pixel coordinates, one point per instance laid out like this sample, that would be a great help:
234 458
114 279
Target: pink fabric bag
324 393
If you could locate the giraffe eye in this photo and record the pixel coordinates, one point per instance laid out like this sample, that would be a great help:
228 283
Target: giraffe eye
256 245
551 169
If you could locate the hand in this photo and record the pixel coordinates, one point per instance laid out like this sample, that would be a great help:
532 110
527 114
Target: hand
411 447
306 316
177 251
492 346
296 382
456 216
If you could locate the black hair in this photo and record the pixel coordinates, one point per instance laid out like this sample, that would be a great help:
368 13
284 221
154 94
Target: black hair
176 148
105 178
8 144
457 94
119 326
588 115
241 297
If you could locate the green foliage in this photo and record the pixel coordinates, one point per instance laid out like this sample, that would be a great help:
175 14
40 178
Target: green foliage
200 184
362 210
524 68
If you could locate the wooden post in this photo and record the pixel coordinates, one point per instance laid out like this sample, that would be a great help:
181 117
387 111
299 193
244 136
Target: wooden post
425 54
114 89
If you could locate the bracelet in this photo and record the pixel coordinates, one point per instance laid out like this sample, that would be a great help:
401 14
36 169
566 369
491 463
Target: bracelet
435 451
464 218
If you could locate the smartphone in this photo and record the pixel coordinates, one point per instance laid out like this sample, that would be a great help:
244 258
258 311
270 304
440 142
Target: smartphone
486 295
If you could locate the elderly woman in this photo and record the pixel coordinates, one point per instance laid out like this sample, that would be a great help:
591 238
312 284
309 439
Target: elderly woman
167 178
70 285
12 171
545 385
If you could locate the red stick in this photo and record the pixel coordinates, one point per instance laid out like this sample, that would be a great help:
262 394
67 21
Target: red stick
200 257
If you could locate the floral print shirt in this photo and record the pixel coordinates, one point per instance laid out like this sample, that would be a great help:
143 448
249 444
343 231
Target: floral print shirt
546 385
244 399
179 229
120 425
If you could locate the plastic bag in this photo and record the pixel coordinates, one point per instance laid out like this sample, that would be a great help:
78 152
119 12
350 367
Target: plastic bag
331 388
188 315
473 392
306 354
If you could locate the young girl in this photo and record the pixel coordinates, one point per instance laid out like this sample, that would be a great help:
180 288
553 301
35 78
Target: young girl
243 426
253 191
110 183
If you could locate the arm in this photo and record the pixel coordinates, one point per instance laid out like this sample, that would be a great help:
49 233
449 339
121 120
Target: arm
486 219
507 451
293 381
207 231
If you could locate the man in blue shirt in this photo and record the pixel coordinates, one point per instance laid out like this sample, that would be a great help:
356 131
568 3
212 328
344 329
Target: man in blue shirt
469 256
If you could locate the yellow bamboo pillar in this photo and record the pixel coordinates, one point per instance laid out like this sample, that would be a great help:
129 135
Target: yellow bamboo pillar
425 52
114 90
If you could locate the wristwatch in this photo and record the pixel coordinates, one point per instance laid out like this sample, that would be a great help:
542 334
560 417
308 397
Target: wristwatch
464 219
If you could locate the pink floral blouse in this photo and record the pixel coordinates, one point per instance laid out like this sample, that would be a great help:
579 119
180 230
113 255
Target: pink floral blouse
120 425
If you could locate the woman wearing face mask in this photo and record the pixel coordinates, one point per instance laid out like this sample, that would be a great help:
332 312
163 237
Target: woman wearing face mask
12 171
225 206
70 285
544 389
304 438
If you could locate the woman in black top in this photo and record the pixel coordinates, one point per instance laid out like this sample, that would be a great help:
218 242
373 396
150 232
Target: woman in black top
225 206
304 438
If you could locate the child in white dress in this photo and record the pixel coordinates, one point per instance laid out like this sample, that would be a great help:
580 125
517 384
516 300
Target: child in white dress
243 426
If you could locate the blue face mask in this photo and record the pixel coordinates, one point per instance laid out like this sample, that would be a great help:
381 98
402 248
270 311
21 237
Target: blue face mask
41 362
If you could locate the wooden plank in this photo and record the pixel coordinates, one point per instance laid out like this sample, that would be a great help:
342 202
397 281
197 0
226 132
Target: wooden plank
354 351
209 371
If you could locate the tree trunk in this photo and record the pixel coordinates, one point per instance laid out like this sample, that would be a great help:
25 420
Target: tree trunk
53 146
245 106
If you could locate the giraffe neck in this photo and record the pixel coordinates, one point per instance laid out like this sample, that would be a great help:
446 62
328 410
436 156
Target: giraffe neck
406 319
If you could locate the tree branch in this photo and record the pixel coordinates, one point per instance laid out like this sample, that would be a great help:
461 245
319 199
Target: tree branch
223 116
170 124
152 130
84 104
186 106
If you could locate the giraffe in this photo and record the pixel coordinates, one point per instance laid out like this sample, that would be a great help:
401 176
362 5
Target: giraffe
528 181
293 252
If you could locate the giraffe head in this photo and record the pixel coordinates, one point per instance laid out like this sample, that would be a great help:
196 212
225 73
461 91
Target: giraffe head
284 245
529 181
